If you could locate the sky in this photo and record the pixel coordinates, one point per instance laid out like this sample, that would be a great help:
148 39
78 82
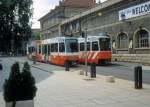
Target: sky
42 7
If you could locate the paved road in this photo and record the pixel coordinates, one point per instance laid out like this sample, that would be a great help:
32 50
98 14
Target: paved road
122 70
39 74
119 70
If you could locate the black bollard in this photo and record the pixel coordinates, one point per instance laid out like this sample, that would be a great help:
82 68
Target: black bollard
1 67
67 66
93 70
138 77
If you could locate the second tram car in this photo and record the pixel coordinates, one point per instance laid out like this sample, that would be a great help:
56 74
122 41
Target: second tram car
98 49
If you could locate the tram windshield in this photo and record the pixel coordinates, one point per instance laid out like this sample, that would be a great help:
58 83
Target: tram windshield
71 45
104 44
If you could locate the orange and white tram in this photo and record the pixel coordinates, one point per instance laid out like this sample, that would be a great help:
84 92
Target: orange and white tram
62 49
35 49
98 49
58 50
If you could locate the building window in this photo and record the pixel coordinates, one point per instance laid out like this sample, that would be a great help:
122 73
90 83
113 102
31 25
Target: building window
142 39
122 41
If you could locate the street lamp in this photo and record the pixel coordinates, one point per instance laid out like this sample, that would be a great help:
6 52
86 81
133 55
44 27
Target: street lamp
84 34
86 56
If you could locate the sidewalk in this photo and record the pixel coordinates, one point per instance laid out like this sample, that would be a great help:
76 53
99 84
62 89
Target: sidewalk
68 89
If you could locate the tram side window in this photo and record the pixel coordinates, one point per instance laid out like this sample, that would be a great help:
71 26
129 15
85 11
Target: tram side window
29 49
81 46
56 47
61 47
52 47
45 49
95 46
49 47
105 44
40 49
88 46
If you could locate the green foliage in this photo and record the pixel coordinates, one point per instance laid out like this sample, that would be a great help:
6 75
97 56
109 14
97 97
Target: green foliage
15 18
19 85
28 82
36 36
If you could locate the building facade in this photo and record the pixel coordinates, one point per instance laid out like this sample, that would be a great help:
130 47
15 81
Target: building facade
129 34
127 22
50 23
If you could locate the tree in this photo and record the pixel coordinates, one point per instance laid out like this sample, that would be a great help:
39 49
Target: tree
15 22
20 85
36 36
28 82
11 90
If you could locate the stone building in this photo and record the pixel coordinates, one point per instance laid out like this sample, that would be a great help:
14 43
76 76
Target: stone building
50 23
127 22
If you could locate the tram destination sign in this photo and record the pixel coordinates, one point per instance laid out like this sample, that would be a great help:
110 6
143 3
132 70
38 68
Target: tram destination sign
135 11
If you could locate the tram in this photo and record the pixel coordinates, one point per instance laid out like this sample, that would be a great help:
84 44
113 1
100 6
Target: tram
98 49
34 49
58 50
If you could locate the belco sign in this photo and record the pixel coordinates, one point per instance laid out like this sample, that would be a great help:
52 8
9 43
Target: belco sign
135 11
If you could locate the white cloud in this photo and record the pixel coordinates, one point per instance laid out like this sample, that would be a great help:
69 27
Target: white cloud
41 7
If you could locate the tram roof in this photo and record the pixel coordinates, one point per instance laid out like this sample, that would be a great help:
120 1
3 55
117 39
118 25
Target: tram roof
91 38
56 40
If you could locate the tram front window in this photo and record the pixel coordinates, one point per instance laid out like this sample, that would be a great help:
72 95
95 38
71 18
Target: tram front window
71 45
104 44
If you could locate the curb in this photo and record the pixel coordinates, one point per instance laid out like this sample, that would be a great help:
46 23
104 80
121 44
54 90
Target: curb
35 67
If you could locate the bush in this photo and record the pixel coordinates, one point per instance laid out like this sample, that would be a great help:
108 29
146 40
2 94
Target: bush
19 85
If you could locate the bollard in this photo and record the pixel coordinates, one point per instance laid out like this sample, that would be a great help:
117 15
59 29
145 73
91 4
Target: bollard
93 70
138 77
1 67
67 66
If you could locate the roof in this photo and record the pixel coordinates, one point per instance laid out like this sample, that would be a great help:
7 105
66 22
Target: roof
78 3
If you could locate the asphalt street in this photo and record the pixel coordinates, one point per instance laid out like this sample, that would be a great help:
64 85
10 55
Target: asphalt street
42 71
38 72
122 70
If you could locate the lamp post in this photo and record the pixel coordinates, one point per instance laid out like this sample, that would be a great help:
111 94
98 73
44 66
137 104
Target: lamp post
85 45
